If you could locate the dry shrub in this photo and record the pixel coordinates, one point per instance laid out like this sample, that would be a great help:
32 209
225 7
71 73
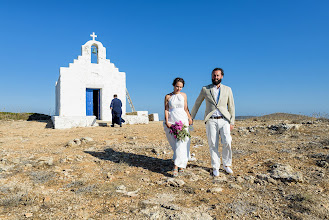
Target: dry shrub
42 176
11 200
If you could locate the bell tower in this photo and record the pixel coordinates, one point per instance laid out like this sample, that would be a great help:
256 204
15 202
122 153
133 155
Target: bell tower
93 51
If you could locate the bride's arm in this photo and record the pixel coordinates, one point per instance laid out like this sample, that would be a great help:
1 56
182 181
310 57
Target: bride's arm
166 107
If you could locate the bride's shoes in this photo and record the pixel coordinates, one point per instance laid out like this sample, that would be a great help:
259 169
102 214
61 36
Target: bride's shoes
175 172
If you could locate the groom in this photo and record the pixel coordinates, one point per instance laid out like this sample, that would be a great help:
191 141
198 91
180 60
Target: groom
219 118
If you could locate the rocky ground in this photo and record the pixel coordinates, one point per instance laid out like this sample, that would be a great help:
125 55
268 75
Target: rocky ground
280 172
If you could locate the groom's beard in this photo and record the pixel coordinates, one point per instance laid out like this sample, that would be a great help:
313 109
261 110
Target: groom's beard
216 82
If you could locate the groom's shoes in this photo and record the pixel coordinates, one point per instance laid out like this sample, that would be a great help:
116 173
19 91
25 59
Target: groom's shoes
215 172
228 170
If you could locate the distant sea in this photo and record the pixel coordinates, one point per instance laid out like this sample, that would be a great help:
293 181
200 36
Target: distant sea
243 117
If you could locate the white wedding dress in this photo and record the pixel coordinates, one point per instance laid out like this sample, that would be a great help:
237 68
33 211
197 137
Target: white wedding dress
177 113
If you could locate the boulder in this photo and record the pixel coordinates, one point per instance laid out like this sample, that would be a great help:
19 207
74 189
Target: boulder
285 173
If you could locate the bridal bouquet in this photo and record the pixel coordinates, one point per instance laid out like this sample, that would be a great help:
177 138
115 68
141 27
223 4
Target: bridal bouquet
179 131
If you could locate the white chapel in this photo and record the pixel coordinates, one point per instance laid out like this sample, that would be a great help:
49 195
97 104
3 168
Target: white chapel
84 90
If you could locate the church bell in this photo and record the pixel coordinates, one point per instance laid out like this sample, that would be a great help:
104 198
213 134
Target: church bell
94 50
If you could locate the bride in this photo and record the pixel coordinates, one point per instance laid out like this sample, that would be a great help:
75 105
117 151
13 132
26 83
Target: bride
176 110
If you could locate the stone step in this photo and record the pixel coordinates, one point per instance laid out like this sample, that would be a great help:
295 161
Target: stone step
103 123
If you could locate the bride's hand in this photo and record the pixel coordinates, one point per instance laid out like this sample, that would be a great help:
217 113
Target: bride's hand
168 124
190 121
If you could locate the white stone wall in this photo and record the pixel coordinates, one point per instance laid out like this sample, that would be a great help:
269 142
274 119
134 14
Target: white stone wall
154 117
138 117
63 122
81 74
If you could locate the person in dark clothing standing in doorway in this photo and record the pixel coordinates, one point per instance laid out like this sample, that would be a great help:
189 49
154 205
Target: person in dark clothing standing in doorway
116 105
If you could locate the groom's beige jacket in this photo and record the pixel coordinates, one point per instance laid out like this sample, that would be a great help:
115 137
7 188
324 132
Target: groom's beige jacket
225 103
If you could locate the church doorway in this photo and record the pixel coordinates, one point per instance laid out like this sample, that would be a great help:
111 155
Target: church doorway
93 102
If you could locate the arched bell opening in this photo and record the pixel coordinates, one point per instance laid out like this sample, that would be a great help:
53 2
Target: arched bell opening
94 53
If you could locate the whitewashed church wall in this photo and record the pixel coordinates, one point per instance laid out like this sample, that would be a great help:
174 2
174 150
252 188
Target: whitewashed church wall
57 94
79 76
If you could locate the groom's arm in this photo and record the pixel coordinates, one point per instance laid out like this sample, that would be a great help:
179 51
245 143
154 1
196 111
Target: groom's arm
231 107
197 103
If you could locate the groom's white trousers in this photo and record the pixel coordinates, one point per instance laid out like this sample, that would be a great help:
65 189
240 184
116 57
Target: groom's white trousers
214 128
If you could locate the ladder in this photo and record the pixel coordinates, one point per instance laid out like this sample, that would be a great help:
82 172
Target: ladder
130 102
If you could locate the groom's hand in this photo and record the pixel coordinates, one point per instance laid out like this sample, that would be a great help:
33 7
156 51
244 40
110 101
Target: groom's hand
231 127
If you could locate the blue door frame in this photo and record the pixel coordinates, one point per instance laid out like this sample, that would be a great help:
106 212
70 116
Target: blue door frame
90 102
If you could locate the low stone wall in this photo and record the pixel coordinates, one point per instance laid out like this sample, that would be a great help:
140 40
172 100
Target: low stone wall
138 117
154 117
62 122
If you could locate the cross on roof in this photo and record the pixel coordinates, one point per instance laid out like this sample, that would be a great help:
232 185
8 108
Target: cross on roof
93 35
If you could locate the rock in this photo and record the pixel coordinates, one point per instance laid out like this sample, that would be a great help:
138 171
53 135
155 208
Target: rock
28 215
221 178
321 156
28 166
58 169
171 207
155 151
132 193
215 190
46 199
284 127
234 186
77 141
145 179
109 176
71 143
192 159
110 142
170 211
239 179
46 160
251 129
279 127
285 173
174 182
322 163
5 168
266 178
263 176
293 126
121 188
198 140
86 140
159 199
191 176
16 161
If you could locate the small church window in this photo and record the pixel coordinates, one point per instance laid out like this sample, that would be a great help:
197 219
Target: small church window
94 54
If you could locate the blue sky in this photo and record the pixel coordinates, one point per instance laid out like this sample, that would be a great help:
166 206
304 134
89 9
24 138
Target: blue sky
275 53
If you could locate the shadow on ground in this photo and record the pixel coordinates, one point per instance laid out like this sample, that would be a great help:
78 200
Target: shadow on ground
151 163
41 118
